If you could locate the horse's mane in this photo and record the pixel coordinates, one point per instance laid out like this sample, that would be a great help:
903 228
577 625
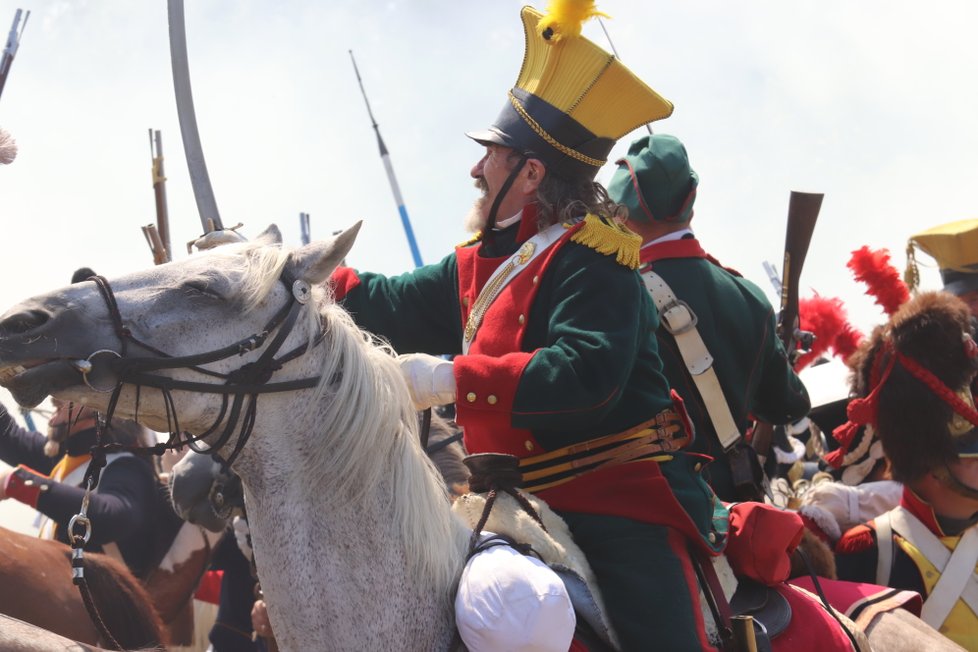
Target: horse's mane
369 435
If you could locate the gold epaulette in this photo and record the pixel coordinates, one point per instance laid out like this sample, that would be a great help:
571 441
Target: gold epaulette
471 241
610 237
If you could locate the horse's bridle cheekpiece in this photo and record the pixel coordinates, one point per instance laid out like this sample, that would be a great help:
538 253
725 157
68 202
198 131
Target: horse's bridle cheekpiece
245 382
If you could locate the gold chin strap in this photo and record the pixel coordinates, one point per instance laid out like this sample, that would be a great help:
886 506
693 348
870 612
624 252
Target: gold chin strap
943 473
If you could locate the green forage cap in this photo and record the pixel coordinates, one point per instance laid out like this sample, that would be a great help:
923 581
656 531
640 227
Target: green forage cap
654 180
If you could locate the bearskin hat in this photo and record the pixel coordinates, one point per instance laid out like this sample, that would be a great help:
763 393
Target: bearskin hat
912 410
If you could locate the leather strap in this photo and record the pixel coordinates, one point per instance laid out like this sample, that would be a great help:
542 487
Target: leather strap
958 579
884 549
505 273
957 574
662 435
680 321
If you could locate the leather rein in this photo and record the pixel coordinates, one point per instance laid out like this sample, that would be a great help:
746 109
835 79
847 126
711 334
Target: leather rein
239 388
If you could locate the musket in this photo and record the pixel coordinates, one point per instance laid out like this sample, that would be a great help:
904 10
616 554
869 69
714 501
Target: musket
210 218
158 235
10 49
803 208
395 188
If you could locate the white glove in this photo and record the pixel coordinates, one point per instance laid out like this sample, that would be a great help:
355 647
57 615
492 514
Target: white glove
430 379
242 536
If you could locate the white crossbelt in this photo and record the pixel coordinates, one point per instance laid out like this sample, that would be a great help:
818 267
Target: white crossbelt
505 273
680 320
958 579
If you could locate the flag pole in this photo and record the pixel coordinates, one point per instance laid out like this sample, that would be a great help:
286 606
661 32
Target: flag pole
10 49
386 158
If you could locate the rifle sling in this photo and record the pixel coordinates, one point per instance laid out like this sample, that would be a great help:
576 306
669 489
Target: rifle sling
680 321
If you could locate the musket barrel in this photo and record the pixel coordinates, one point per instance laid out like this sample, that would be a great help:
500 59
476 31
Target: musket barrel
159 192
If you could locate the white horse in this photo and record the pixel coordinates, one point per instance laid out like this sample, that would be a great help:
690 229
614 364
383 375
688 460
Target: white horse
350 520
351 523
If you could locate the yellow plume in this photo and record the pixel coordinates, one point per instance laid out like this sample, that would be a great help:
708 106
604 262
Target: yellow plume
565 17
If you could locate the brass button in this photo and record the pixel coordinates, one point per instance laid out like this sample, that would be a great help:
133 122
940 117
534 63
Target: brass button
522 319
712 537
465 301
529 445
492 399
470 397
536 279
698 466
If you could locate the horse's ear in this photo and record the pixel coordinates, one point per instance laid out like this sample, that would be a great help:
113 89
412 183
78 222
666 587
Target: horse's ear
270 236
314 262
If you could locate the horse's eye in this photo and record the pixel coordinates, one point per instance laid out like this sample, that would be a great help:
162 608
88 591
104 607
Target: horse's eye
201 288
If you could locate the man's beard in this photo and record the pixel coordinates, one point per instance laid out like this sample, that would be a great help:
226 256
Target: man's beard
479 213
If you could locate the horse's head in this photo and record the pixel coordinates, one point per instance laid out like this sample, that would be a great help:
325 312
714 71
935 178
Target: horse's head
95 340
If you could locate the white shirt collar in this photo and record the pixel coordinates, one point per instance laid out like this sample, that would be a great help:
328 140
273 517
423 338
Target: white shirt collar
508 221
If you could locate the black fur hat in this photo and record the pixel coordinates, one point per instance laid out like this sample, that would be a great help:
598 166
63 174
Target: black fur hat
914 375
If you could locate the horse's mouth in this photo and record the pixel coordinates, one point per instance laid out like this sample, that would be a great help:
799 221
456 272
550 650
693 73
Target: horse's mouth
31 381
8 373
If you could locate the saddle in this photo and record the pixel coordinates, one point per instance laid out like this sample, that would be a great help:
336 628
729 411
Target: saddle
769 610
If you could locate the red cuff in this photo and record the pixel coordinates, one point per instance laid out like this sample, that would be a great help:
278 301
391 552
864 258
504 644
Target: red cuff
487 384
209 589
342 281
24 485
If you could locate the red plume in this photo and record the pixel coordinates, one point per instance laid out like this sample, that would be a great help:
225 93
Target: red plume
826 318
882 279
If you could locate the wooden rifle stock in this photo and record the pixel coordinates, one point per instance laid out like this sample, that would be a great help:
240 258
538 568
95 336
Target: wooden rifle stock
803 208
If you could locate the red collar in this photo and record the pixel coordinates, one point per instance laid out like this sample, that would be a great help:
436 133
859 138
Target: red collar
922 510
528 224
682 248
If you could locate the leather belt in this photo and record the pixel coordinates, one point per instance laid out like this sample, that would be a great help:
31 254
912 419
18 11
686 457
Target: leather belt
658 437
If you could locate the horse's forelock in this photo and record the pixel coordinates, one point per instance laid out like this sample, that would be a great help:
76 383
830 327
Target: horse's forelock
263 268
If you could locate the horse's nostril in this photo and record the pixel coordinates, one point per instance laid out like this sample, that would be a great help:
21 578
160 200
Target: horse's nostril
23 322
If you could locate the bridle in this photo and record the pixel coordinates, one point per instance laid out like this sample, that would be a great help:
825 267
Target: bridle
239 388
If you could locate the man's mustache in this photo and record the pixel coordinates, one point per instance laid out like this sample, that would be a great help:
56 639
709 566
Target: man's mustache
480 183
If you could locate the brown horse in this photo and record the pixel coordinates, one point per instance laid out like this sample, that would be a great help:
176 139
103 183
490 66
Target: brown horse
18 636
36 578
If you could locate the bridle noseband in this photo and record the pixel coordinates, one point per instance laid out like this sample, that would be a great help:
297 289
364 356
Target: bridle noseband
244 384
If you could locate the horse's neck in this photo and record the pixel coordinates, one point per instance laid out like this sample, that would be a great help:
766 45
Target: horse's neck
334 573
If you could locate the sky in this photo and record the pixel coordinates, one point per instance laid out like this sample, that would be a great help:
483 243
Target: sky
873 103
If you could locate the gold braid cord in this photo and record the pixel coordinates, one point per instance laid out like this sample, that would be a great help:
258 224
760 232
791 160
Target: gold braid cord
911 276
609 237
540 131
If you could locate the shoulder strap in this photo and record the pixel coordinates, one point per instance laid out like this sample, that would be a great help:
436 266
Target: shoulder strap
680 320
884 549
958 579
505 273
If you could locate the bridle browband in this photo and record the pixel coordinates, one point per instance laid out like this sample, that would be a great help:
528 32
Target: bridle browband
244 384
